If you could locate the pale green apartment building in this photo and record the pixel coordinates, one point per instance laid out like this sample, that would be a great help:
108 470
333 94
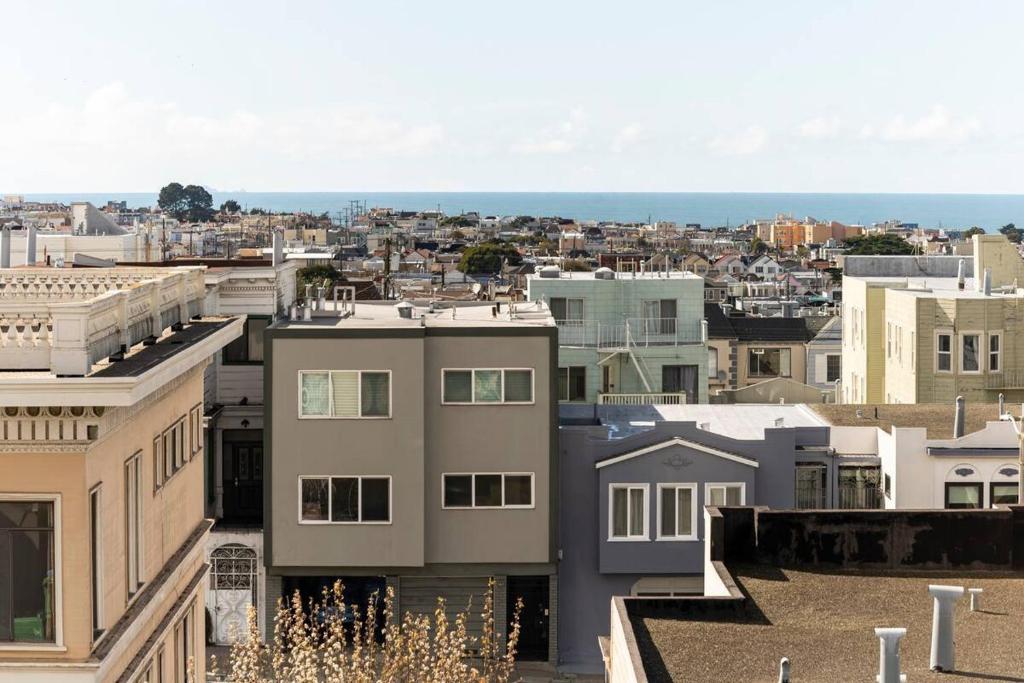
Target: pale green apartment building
627 338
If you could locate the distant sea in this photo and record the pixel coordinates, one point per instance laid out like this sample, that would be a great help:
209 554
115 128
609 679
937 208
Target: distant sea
707 208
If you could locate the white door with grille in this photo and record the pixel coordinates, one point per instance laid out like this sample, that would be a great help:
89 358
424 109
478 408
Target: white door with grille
233 585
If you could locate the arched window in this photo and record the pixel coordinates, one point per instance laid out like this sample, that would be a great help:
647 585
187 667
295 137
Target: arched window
964 488
1004 488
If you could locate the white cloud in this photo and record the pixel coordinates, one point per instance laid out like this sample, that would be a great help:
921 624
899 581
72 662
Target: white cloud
627 136
560 138
820 128
938 125
750 140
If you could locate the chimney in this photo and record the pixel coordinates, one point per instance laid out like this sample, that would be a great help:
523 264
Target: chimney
986 285
975 598
960 275
5 248
278 251
959 418
784 670
30 246
889 654
942 626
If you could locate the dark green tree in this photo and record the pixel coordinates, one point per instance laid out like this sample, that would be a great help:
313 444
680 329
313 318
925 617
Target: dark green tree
172 200
576 265
1012 232
878 245
316 274
198 203
836 274
230 206
758 246
487 257
971 232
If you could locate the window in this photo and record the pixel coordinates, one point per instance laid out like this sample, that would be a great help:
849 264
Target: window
963 496
195 430
858 487
248 348
628 513
888 486
567 311
970 356
712 363
488 386
832 367
158 462
95 563
487 490
572 383
811 485
27 547
994 341
677 512
725 494
345 394
132 526
184 645
944 352
1005 493
345 500
769 362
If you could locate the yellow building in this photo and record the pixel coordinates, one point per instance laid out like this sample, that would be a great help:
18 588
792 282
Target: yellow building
101 473
916 333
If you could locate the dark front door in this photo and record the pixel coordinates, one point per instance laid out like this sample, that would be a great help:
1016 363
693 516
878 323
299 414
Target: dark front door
243 481
680 378
534 619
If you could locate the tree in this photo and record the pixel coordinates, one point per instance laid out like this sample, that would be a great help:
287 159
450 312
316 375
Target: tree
172 200
758 246
198 203
257 211
886 244
836 274
577 265
230 206
326 640
1012 232
457 235
316 273
487 257
968 234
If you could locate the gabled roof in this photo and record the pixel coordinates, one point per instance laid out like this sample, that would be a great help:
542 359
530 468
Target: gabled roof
677 441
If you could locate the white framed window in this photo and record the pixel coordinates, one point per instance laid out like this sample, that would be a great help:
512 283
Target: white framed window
30 539
96 560
712 363
506 490
943 351
486 386
970 352
184 644
677 512
345 394
362 499
628 512
995 349
133 524
727 493
567 312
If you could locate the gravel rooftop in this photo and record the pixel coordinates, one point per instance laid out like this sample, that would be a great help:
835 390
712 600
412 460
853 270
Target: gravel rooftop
824 622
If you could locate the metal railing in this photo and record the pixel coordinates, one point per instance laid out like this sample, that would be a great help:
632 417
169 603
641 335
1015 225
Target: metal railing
633 332
1007 379
661 399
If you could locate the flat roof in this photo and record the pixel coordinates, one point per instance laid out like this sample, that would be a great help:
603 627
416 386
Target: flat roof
384 314
824 623
936 418
646 275
739 421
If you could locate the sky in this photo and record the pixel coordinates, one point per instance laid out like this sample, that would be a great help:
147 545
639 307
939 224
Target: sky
558 95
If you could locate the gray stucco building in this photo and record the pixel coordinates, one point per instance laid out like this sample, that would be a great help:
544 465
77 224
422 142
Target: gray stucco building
634 482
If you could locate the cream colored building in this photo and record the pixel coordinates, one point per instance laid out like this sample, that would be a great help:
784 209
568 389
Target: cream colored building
101 473
919 336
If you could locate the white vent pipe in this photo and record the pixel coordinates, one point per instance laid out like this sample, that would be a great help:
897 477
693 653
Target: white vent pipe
889 654
942 657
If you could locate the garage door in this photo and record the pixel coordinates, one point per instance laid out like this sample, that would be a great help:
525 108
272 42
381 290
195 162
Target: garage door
419 596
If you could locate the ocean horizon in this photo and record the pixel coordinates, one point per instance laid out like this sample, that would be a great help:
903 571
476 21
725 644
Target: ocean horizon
709 209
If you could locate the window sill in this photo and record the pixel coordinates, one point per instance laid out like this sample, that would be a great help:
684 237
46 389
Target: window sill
310 522
488 507
332 417
31 647
677 539
645 539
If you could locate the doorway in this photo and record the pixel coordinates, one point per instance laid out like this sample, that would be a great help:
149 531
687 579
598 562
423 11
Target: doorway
535 617
243 478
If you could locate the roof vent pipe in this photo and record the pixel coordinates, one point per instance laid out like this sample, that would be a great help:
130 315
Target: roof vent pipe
986 286
960 279
959 418
30 246
942 657
889 654
784 670
5 248
975 598
1002 405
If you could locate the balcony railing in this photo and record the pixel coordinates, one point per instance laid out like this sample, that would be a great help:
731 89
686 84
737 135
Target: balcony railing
662 399
633 332
1007 379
